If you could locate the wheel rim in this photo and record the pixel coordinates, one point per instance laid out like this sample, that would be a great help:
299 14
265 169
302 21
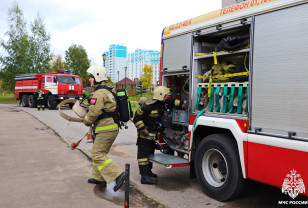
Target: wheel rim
30 101
214 167
49 102
24 100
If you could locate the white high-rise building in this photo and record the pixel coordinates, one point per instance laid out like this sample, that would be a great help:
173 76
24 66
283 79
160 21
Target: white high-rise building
116 61
138 59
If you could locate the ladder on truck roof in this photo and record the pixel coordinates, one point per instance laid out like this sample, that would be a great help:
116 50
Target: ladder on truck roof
25 76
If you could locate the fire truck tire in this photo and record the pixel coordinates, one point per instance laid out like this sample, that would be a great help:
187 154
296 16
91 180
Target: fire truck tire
51 102
24 100
31 101
218 167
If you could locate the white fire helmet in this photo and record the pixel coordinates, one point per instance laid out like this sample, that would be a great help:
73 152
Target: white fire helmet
98 72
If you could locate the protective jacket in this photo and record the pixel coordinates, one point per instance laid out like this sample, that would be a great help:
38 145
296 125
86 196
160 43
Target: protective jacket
102 100
40 95
147 116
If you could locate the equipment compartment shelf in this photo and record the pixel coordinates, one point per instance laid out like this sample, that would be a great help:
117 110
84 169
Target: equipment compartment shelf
210 55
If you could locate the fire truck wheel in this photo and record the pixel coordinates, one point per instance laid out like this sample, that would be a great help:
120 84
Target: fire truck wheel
218 167
24 100
31 101
51 102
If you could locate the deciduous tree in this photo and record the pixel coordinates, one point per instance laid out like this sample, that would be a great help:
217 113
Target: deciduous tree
16 57
23 52
57 63
147 76
77 61
39 50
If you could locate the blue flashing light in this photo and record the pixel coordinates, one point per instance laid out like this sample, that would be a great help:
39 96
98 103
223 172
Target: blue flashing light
60 71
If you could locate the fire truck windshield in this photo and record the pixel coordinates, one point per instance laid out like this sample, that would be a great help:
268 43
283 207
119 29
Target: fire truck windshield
69 80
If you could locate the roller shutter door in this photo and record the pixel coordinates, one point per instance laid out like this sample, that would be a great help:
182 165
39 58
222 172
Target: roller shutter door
280 72
177 52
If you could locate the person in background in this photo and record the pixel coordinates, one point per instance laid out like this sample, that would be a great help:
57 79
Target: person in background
41 100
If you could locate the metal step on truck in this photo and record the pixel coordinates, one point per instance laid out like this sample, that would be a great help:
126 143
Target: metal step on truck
57 87
243 71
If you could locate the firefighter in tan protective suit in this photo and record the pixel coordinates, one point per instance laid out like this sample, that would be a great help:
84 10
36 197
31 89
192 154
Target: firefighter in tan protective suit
102 105
145 119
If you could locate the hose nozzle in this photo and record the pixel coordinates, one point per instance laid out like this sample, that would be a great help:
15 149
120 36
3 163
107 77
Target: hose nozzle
73 145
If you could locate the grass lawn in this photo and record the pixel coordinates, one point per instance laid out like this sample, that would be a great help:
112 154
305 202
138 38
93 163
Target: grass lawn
135 98
8 98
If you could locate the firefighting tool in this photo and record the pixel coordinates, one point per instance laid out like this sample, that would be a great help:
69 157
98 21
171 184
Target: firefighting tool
156 142
81 110
220 76
90 135
77 108
73 145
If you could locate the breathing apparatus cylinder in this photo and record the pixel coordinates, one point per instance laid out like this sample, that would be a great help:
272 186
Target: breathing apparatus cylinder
125 109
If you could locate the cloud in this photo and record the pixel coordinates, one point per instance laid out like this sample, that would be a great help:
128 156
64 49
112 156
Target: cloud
95 24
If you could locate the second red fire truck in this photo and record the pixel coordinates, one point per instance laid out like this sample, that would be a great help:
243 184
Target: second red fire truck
57 86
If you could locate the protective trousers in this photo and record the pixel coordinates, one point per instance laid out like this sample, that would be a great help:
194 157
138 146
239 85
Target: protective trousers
145 148
104 169
40 103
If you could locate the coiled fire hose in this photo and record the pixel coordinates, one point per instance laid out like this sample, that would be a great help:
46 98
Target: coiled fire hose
81 111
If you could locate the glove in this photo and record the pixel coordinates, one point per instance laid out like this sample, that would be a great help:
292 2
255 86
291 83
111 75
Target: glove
144 131
184 105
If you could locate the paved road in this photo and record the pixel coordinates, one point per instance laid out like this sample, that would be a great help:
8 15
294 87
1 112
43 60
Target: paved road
174 188
38 170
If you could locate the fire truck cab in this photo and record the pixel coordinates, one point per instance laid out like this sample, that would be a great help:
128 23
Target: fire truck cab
242 71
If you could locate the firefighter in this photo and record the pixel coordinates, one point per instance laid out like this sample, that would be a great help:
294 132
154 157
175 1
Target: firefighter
102 104
145 119
141 101
41 100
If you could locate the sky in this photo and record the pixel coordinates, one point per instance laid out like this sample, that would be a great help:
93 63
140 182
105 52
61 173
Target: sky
95 24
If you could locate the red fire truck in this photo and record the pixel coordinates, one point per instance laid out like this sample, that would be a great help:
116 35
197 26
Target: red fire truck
57 86
255 128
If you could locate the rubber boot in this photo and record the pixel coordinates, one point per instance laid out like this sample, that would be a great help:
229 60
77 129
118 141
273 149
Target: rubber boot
94 181
153 175
145 179
119 182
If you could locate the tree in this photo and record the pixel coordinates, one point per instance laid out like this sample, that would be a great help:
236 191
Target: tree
23 52
16 57
56 63
147 76
40 55
77 61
